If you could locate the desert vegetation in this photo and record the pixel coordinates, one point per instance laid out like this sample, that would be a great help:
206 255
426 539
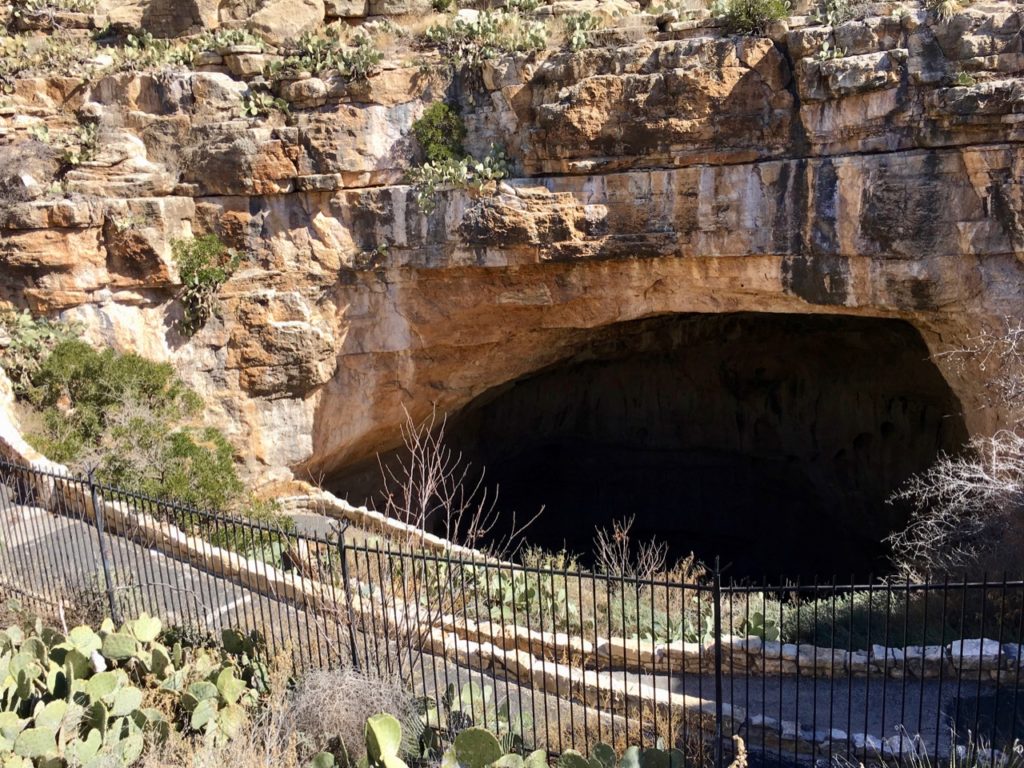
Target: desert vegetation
440 133
204 265
149 695
127 421
967 507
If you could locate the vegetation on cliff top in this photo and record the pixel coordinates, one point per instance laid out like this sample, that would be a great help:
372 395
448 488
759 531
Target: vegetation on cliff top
750 17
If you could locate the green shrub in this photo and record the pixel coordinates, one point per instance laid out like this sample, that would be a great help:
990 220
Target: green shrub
465 173
440 133
750 17
191 466
492 34
121 415
319 54
25 342
204 265
89 384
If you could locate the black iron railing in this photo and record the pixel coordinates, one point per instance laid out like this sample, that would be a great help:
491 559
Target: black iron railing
549 658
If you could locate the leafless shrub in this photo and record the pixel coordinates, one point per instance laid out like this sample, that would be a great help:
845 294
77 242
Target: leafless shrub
999 356
616 554
336 705
687 570
539 558
434 485
963 505
85 600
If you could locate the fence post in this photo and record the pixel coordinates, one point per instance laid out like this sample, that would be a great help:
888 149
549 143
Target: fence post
348 597
104 558
717 608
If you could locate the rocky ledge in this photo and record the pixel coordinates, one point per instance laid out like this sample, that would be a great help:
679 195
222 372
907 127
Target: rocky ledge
870 168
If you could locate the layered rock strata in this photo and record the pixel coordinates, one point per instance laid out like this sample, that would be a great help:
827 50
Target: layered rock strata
668 169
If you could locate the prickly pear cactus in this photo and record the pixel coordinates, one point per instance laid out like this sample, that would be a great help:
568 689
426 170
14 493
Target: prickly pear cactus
604 755
476 748
80 699
572 759
383 742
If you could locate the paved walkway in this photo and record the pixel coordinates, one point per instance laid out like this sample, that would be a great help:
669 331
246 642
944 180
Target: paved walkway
42 552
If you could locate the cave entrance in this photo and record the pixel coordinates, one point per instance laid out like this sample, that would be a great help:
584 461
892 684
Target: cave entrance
773 441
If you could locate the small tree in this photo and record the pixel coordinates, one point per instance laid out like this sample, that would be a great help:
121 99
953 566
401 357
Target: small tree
963 507
617 554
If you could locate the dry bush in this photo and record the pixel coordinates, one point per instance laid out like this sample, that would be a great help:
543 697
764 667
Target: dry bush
84 598
998 356
687 570
616 553
328 705
564 561
433 486
269 739
963 507
970 507
295 725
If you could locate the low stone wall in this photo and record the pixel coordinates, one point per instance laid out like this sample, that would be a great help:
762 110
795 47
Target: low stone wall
742 655
325 503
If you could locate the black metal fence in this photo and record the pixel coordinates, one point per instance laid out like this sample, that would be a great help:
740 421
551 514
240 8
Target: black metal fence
548 658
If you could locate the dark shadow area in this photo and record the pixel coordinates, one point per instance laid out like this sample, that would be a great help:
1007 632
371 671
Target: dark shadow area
773 441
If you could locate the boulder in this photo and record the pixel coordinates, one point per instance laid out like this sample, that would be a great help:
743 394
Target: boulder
279 21
347 9
27 169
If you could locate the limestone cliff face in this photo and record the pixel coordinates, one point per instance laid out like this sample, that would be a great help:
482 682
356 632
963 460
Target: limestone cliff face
669 169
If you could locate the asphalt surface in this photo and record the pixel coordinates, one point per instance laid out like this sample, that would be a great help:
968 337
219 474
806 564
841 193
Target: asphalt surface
50 556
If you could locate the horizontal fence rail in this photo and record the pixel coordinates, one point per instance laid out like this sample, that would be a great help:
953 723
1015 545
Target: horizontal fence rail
555 659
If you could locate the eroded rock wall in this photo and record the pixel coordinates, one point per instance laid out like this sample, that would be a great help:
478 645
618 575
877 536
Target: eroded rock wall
668 169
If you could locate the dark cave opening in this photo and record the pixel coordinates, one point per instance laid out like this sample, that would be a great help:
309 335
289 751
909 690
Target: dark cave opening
773 441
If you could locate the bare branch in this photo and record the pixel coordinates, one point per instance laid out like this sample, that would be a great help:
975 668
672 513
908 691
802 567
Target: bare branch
999 356
614 552
962 507
434 486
